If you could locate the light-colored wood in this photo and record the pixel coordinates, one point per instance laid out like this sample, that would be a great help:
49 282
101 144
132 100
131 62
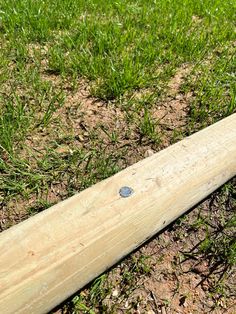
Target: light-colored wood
51 255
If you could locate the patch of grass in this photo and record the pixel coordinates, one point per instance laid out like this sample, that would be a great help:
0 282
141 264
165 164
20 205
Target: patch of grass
214 86
100 296
148 127
84 303
14 122
78 170
117 45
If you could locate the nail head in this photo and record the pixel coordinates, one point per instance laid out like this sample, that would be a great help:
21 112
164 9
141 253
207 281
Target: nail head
125 191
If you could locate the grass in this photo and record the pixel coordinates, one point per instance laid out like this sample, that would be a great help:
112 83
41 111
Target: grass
122 55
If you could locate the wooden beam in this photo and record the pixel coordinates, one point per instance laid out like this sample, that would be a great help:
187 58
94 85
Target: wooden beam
48 257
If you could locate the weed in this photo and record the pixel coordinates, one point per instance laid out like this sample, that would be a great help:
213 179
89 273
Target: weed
148 127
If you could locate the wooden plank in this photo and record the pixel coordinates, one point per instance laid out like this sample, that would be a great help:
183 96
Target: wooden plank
48 257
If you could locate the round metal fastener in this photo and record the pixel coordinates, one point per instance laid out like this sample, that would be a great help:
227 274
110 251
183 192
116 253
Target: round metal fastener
126 191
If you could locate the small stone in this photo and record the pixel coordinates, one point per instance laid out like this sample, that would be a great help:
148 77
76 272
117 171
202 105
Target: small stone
115 293
62 149
210 303
149 152
81 138
126 304
163 310
178 97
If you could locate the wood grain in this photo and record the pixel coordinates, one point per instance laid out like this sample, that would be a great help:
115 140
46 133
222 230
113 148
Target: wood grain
48 257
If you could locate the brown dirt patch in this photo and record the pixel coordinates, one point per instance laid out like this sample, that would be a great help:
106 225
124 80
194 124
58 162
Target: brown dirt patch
172 111
90 121
11 214
178 79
